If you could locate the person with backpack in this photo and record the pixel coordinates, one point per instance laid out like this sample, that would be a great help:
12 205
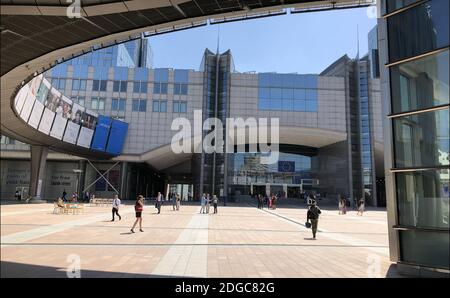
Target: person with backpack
139 208
313 216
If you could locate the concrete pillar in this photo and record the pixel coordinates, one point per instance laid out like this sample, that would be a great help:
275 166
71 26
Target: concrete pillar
123 180
81 176
38 162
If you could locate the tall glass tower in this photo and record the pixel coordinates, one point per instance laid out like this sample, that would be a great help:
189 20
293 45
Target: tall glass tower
414 41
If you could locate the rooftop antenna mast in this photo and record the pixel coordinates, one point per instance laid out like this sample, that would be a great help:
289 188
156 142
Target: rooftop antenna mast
357 41
218 39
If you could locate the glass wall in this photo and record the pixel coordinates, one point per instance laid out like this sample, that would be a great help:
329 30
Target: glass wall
422 140
423 199
290 169
287 92
421 131
397 4
365 135
421 84
427 30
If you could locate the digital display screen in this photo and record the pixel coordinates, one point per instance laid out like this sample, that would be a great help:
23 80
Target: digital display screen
46 121
20 98
100 138
117 137
74 123
63 113
88 123
36 114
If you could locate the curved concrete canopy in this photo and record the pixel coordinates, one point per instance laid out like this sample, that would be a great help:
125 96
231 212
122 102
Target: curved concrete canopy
163 157
36 35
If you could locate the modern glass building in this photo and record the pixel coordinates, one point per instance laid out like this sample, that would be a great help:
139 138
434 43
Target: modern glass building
414 37
320 117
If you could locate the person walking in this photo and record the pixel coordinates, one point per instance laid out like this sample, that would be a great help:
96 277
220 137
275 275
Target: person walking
215 201
115 207
340 202
203 203
274 202
173 198
361 207
313 216
208 202
178 199
18 195
344 205
139 208
64 194
159 201
267 199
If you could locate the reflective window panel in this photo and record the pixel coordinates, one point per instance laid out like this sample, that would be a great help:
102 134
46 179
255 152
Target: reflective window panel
422 139
423 199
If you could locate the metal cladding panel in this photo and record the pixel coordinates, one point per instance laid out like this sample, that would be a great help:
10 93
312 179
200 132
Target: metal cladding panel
117 137
101 133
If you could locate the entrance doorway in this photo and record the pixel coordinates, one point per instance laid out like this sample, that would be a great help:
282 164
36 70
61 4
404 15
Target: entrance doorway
184 190
259 189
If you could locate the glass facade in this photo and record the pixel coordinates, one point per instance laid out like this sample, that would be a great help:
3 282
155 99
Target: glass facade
421 84
290 169
423 199
397 4
428 30
422 140
160 85
419 89
365 133
287 92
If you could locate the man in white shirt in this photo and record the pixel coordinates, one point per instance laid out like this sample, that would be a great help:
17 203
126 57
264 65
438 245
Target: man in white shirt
115 207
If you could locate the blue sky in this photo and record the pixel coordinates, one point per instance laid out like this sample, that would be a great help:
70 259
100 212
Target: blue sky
302 43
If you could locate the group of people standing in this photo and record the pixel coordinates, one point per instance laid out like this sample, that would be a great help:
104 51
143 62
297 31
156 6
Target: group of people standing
343 202
206 202
270 202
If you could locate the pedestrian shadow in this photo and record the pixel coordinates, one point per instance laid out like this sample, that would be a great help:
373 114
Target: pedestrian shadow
127 233
310 238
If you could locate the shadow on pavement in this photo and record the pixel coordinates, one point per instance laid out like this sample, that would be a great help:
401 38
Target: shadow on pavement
18 270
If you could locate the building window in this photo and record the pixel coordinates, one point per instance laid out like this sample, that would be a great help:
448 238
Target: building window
180 89
6 140
78 99
120 86
98 103
160 88
428 30
422 140
160 106
140 87
99 85
78 84
288 99
420 84
118 104
139 105
180 107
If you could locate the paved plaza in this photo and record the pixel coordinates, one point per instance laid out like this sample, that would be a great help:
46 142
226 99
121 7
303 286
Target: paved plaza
239 241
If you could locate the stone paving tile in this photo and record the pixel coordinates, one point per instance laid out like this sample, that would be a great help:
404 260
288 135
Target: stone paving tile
241 241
